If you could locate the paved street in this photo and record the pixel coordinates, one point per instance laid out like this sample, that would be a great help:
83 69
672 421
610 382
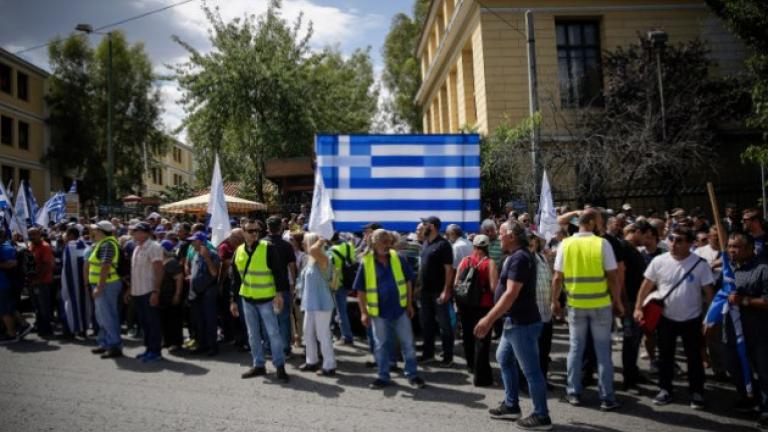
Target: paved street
59 386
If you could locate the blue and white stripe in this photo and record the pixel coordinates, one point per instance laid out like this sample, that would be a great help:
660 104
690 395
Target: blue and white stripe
397 179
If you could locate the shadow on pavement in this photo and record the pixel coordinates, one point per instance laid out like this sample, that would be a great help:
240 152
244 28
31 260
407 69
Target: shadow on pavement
32 346
325 389
165 364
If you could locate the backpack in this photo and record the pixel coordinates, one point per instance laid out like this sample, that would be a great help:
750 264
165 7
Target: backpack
348 269
123 268
468 291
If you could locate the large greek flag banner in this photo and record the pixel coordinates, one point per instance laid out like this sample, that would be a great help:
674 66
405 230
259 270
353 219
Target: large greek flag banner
397 179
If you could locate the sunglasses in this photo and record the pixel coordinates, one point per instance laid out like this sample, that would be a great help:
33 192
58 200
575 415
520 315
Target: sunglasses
253 231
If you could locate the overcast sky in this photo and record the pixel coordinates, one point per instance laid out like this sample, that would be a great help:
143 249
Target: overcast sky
350 24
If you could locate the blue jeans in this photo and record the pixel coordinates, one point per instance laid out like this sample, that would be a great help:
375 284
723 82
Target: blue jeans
431 309
283 324
390 343
519 344
203 308
599 322
255 314
149 317
108 317
343 315
382 335
43 302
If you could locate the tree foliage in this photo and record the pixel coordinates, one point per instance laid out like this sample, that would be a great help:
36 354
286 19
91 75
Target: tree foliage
402 72
175 193
621 146
77 101
748 19
262 93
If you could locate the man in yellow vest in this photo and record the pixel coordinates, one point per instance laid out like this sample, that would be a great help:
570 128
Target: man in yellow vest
107 287
586 264
344 253
254 263
385 298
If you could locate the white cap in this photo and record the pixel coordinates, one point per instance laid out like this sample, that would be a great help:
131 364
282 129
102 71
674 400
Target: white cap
154 215
104 225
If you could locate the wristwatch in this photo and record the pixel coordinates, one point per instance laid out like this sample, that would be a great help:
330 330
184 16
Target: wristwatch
745 301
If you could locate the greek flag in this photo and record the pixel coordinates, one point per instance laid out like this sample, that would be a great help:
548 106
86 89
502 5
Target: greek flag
6 211
397 179
55 205
31 201
23 215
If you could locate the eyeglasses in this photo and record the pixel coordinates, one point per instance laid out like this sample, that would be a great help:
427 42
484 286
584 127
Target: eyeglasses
253 231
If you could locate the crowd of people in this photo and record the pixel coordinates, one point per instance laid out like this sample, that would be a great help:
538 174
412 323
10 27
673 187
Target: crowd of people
272 287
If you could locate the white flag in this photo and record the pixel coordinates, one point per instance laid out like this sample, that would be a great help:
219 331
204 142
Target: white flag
217 208
321 218
21 213
548 225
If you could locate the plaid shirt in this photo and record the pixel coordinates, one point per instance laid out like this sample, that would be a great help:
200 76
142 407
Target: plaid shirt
543 288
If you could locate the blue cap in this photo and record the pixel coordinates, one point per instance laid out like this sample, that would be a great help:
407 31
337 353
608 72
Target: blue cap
159 229
200 235
167 245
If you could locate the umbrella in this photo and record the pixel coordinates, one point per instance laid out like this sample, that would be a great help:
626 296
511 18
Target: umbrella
199 204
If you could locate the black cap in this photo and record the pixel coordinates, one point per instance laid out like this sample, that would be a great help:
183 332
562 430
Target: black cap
372 226
434 220
142 226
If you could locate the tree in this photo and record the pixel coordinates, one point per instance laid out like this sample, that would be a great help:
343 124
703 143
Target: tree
402 72
620 145
261 93
748 19
175 193
77 101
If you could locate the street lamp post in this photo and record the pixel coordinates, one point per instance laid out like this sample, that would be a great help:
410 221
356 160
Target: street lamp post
658 38
88 29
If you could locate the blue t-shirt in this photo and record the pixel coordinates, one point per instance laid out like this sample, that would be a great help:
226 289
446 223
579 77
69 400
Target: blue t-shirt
389 297
7 253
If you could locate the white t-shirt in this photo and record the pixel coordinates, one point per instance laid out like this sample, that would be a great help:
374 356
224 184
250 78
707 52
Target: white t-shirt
142 271
609 259
461 248
685 302
711 255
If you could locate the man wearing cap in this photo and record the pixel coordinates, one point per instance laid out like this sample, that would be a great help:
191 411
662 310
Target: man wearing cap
436 291
101 268
203 290
253 274
154 219
626 208
146 279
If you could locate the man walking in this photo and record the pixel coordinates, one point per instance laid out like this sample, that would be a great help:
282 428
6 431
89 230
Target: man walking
586 264
436 291
146 279
101 268
254 275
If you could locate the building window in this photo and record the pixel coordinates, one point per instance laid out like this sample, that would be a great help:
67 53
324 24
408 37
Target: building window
5 78
7 175
23 175
22 86
23 135
157 176
177 154
6 130
578 63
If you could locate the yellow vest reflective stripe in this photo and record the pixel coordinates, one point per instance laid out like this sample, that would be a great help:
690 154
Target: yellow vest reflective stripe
94 263
583 273
371 291
257 280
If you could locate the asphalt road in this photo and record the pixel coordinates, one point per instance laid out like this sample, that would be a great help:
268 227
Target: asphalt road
58 385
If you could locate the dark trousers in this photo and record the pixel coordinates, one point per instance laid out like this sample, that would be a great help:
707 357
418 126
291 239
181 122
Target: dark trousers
630 348
149 319
690 332
756 341
203 314
43 302
431 310
476 351
171 324
545 347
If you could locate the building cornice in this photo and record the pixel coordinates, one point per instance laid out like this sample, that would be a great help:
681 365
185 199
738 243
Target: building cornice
21 112
4 53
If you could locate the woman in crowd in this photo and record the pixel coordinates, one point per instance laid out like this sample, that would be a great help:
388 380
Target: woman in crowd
317 305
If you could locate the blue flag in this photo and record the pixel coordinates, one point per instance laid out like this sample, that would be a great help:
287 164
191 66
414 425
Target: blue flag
719 308
397 179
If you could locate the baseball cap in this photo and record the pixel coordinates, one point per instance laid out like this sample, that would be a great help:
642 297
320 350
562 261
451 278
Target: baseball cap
167 245
481 240
434 220
141 226
159 229
104 225
200 235
626 206
154 215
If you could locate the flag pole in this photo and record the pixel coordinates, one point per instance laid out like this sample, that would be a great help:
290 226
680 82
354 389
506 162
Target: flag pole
716 215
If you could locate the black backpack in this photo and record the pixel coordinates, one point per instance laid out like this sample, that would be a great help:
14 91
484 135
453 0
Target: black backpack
348 268
468 290
123 268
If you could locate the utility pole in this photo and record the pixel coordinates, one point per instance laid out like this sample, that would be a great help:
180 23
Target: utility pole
533 103
658 38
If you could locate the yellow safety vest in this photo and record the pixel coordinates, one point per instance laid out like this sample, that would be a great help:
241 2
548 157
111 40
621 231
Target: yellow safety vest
257 280
94 263
583 273
342 250
371 292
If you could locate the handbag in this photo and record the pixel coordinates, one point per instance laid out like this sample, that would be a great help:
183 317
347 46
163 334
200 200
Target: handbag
654 308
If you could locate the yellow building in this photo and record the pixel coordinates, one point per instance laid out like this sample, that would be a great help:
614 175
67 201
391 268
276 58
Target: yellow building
175 168
474 62
24 134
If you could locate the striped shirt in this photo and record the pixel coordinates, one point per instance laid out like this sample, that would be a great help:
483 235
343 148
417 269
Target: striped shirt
543 288
495 253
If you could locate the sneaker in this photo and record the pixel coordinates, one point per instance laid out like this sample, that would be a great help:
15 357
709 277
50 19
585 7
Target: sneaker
189 344
326 372
308 367
663 398
98 350
610 405
417 382
254 372
281 374
24 331
151 356
697 401
572 399
378 383
112 353
142 355
534 422
505 412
